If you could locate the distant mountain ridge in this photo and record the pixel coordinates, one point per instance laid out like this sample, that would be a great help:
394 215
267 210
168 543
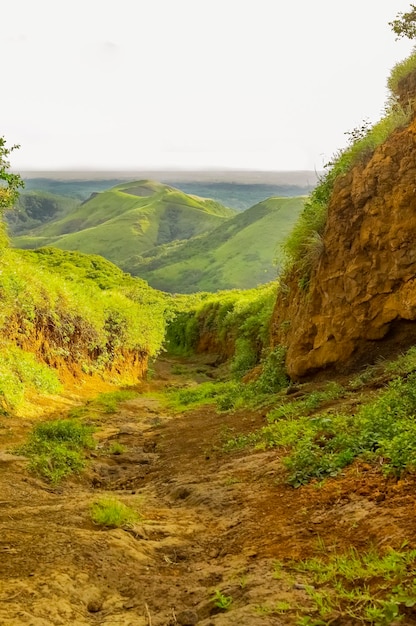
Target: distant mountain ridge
236 189
241 253
178 242
127 220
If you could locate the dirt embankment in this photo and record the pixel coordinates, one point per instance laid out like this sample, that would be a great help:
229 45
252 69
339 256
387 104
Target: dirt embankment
361 298
211 523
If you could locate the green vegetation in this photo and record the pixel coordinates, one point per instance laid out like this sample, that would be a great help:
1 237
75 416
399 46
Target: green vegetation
369 587
316 446
400 71
34 208
57 448
221 601
9 187
405 24
111 513
235 325
223 318
127 220
239 253
21 373
178 243
89 326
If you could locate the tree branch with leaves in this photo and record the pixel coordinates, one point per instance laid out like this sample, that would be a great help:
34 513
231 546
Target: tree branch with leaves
9 186
405 24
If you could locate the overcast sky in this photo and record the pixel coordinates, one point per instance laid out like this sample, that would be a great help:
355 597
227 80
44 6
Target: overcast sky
262 84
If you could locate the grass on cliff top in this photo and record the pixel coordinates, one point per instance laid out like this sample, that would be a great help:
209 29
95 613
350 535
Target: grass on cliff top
400 71
304 246
70 314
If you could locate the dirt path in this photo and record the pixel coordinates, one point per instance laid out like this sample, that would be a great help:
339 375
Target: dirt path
211 523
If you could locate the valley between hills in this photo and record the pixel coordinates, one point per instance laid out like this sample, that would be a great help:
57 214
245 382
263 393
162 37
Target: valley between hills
184 442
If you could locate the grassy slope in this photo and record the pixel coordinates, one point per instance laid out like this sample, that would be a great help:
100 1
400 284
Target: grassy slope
237 254
127 220
34 208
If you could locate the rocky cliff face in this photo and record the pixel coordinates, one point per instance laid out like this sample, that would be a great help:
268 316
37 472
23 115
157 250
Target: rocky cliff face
362 292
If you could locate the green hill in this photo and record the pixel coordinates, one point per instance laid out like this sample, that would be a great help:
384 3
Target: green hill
127 220
238 254
36 208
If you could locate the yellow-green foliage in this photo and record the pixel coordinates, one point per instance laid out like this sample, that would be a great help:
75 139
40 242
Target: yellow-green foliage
239 319
400 71
21 372
67 317
111 513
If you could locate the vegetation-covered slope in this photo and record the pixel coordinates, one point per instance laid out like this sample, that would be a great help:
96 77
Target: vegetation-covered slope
238 254
34 208
66 313
127 220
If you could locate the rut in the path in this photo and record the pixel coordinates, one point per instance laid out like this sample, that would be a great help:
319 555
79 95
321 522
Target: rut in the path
212 524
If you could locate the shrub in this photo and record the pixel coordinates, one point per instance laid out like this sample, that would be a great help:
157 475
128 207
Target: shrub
56 448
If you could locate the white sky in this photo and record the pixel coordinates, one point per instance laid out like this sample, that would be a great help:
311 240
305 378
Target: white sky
262 84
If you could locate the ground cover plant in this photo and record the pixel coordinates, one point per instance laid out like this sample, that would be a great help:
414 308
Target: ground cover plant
109 512
370 587
57 448
319 444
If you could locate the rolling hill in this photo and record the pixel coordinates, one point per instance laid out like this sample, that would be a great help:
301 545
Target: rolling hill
127 220
237 254
36 208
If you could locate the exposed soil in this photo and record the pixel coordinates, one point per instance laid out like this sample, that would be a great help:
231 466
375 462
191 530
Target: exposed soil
210 521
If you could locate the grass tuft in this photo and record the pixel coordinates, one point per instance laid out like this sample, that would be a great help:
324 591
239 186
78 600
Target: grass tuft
57 448
111 513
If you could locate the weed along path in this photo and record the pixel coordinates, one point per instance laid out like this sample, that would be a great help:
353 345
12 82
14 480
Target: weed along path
163 527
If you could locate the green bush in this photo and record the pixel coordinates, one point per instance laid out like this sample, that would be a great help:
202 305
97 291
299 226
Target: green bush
56 448
231 319
20 372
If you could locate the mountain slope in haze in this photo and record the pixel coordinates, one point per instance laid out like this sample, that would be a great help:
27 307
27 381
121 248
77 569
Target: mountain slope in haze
238 254
35 208
127 220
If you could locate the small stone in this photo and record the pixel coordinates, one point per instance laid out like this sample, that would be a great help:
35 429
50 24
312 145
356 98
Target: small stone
187 618
94 605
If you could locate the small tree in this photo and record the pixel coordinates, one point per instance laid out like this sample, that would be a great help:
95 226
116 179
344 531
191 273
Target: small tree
405 24
9 186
